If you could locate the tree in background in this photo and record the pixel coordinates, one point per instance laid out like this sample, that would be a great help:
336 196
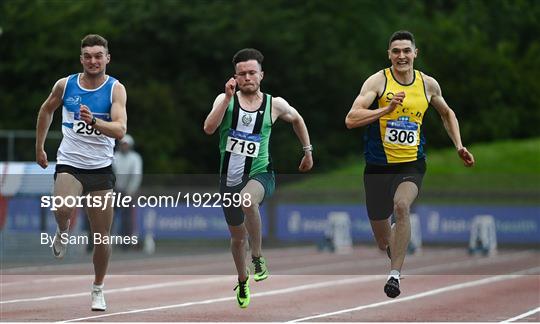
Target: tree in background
170 55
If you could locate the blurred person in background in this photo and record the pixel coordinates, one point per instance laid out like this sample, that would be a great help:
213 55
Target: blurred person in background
245 120
93 116
127 167
392 104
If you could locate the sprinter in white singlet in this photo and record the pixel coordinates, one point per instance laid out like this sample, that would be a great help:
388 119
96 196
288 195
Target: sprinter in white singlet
93 116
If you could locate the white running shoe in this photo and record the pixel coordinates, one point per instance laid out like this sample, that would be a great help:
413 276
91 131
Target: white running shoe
58 248
98 299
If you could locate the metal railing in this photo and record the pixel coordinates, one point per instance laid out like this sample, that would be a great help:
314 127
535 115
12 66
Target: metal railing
11 149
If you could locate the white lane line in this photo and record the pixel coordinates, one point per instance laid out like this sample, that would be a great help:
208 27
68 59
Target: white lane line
526 314
358 264
344 264
176 264
45 280
267 293
471 262
56 279
437 291
165 261
126 289
421 270
222 299
157 286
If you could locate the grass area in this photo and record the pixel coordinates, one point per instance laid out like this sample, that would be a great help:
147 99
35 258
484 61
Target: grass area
516 157
505 166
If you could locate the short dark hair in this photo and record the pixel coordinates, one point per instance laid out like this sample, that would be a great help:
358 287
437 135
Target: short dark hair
94 40
401 35
247 54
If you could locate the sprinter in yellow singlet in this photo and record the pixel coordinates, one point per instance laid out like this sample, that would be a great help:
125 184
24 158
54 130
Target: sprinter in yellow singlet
392 104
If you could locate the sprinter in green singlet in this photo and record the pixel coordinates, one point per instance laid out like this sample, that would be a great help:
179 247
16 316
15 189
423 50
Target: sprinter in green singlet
245 120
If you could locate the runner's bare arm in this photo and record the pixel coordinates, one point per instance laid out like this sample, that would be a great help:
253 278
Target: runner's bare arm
360 114
215 117
281 109
449 119
44 120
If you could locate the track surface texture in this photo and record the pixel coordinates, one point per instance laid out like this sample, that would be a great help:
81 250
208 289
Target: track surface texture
439 285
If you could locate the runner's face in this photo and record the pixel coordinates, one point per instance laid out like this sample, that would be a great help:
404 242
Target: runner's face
94 59
248 76
402 54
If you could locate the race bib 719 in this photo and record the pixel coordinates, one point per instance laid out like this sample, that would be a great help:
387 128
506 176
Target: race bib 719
242 143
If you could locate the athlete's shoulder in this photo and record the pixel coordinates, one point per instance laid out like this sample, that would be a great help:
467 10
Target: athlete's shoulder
62 82
427 78
377 77
221 96
219 99
432 86
72 79
118 85
60 86
111 80
279 101
118 91
280 105
376 82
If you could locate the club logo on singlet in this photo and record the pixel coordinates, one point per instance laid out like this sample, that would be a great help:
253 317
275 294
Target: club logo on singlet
73 101
246 119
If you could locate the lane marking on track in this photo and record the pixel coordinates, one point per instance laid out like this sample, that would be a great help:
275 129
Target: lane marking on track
176 263
437 291
524 315
222 299
339 265
471 263
45 280
421 270
126 289
358 264
57 279
279 292
162 260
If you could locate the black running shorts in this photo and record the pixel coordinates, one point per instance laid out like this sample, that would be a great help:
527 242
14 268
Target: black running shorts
234 216
381 182
91 180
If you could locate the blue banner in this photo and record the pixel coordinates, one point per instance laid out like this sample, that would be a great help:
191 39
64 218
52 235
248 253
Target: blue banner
24 215
300 222
439 223
187 222
452 223
309 222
